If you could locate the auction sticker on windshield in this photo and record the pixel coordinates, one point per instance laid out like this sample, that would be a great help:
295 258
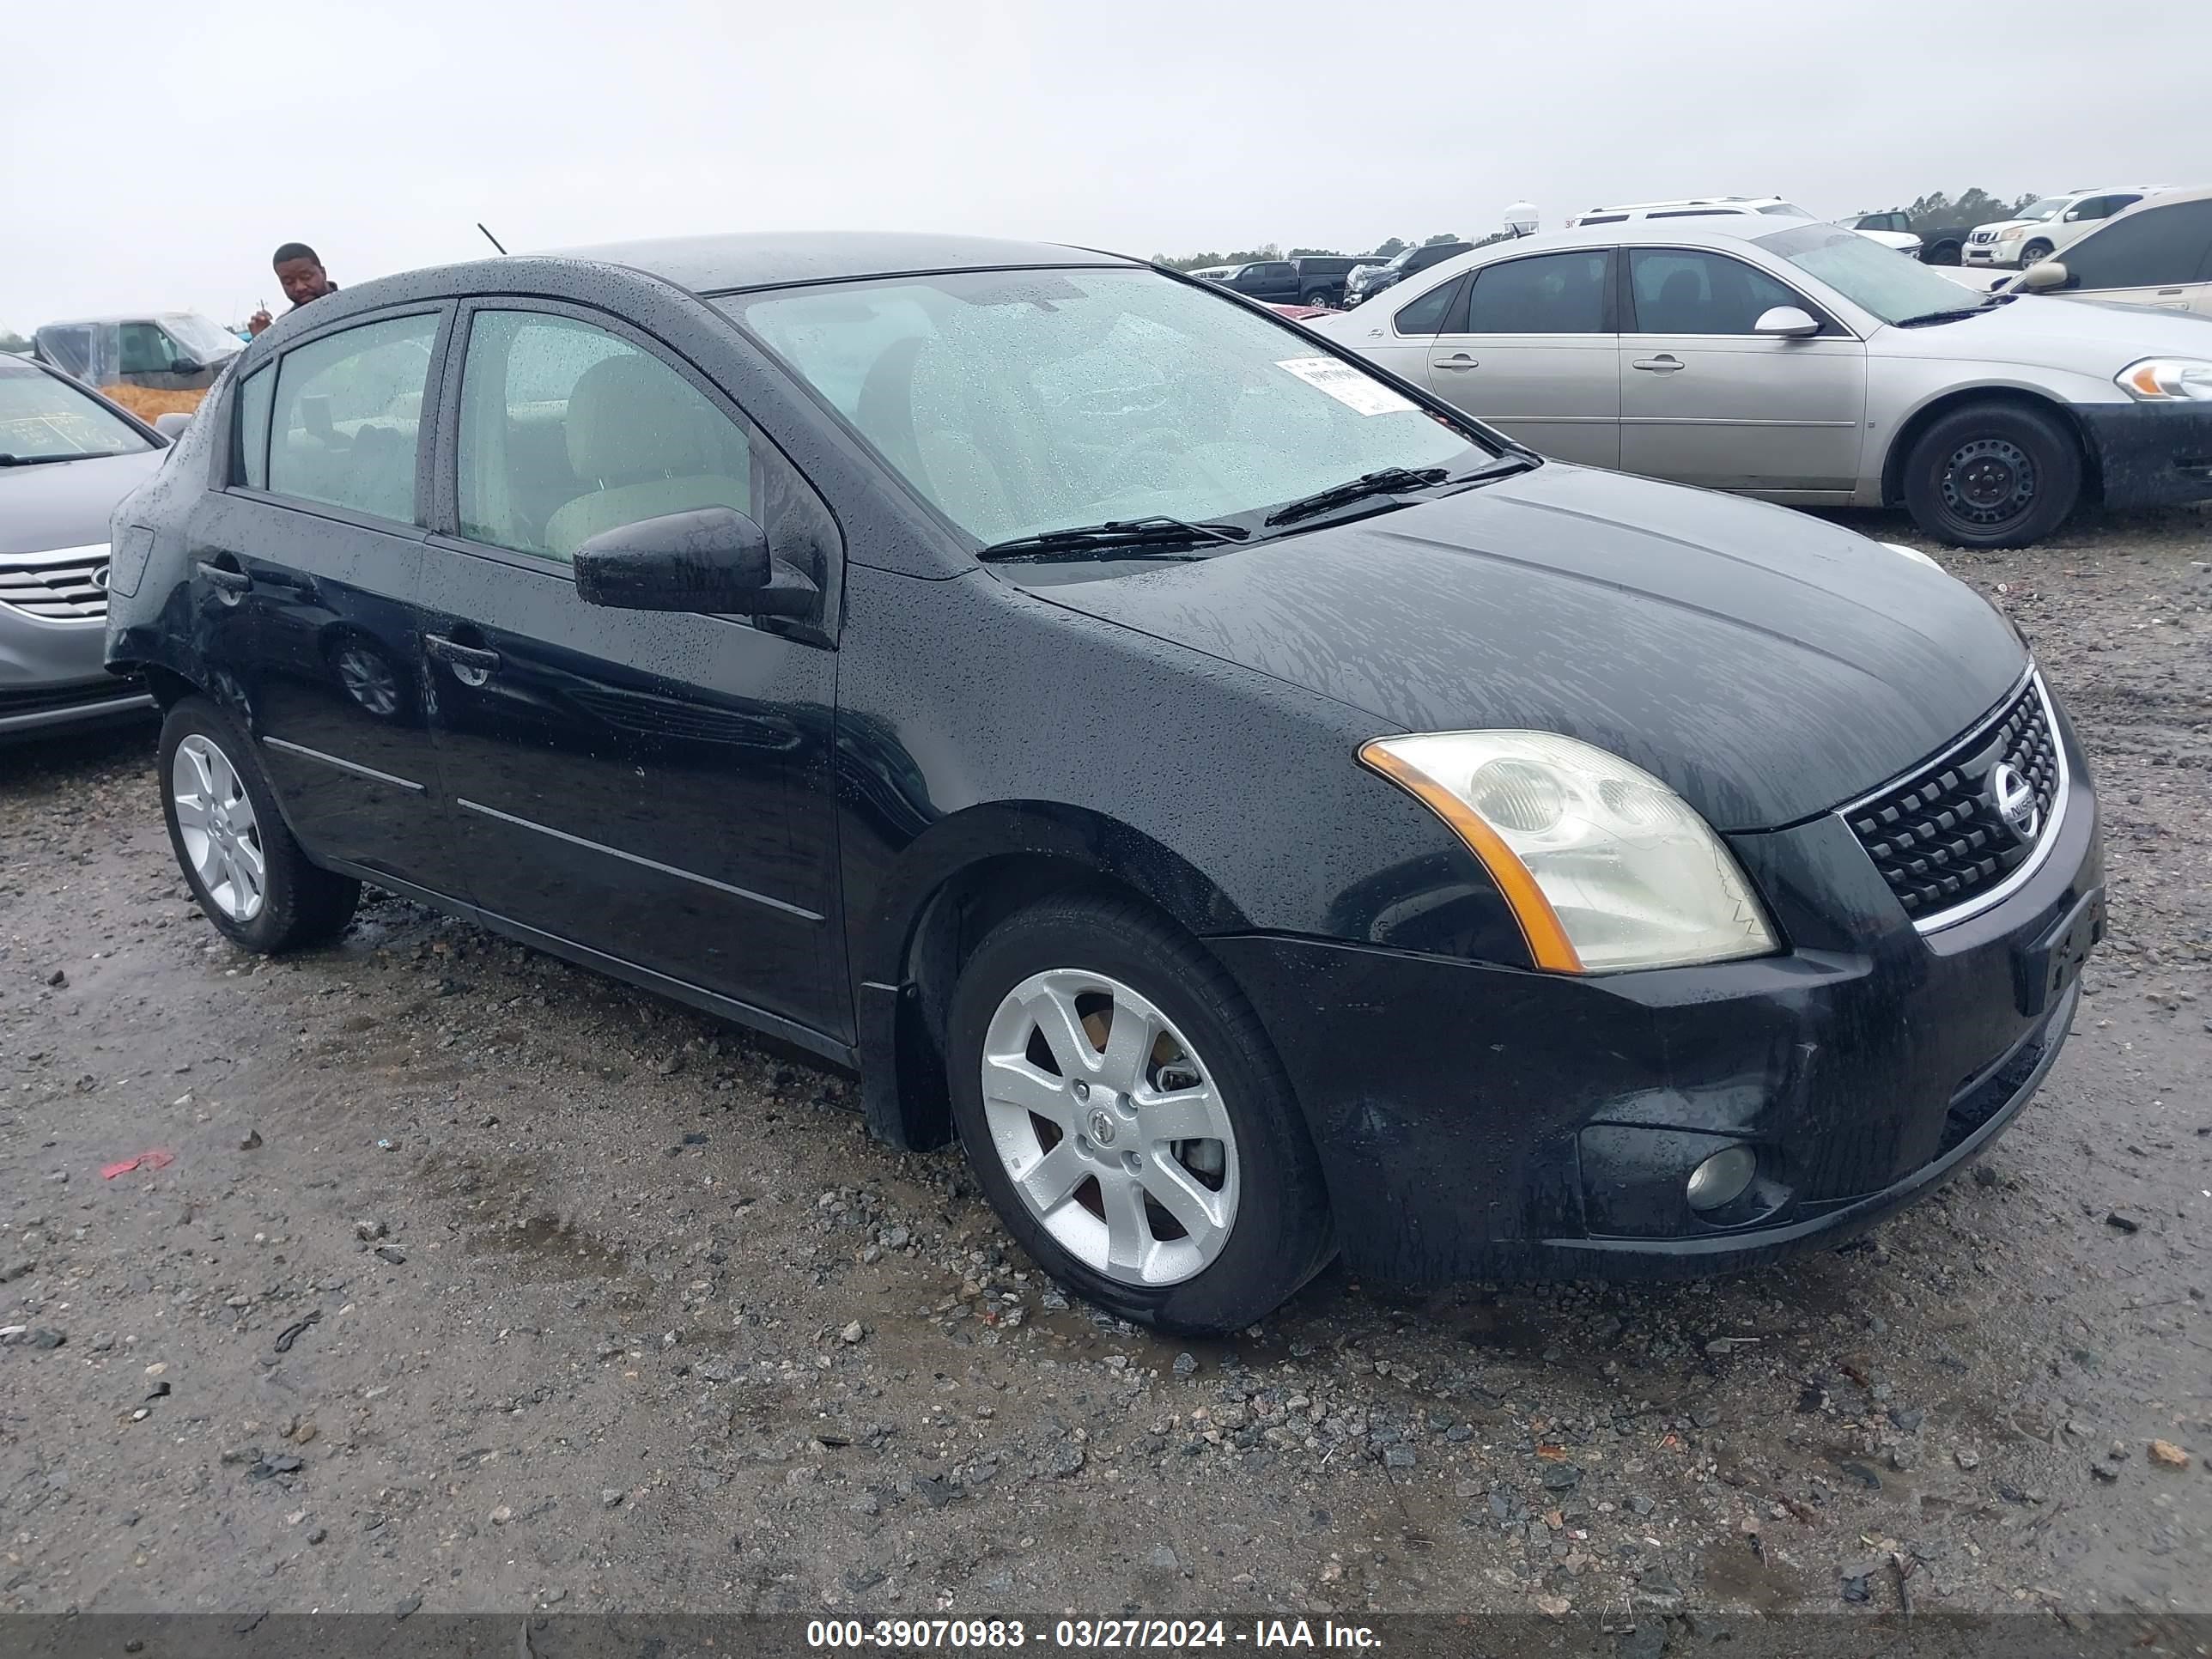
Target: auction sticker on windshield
1346 384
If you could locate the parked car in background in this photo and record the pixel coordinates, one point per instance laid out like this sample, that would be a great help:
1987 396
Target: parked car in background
1795 360
1707 207
2042 227
1313 279
1305 314
1942 245
2158 252
1236 896
162 351
67 456
1363 282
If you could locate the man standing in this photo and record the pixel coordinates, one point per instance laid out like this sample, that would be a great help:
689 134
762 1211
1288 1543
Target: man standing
303 277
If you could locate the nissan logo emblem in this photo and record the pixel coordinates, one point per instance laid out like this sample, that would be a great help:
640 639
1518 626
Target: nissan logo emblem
2014 797
99 577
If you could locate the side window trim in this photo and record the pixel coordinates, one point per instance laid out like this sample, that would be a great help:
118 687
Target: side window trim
441 350
238 470
1831 328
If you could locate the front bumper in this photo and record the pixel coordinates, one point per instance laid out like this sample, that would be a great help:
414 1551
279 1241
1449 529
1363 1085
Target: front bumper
2150 454
1991 253
53 677
1480 1121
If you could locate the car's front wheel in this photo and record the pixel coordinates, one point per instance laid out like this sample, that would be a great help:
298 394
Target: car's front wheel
1129 1121
2034 254
1941 253
247 872
1993 475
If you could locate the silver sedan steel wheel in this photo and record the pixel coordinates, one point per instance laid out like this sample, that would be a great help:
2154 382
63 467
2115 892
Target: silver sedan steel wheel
216 823
1110 1127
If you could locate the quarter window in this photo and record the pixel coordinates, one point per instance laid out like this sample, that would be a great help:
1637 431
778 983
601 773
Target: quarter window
249 463
1680 291
1544 294
1426 314
348 411
568 431
2159 247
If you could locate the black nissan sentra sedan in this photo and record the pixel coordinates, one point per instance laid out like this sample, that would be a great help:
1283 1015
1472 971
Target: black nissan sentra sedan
1260 812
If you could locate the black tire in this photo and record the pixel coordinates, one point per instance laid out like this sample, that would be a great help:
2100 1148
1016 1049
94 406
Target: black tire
2033 254
1993 475
1944 253
1281 1235
301 903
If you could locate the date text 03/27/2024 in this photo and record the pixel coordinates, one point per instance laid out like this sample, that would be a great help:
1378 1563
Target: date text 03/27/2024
1073 1635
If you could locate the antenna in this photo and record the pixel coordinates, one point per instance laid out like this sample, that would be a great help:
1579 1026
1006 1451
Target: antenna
488 237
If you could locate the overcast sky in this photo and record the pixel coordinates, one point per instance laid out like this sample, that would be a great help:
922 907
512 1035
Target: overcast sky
156 161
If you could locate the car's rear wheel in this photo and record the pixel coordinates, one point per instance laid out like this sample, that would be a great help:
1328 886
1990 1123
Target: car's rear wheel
1993 475
247 872
1129 1120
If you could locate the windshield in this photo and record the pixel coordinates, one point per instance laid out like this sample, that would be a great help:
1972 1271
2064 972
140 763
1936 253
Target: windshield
42 416
1018 402
1877 279
205 340
2048 207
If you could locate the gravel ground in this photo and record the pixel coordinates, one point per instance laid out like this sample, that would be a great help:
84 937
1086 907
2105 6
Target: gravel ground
479 1283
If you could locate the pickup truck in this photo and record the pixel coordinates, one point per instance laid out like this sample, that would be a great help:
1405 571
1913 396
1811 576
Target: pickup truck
1314 279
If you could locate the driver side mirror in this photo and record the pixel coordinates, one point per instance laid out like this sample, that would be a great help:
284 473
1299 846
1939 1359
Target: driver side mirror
171 425
185 365
1786 322
2043 277
713 559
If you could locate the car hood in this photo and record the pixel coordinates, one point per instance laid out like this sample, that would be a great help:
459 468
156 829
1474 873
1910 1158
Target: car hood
67 503
2085 336
1766 665
2001 225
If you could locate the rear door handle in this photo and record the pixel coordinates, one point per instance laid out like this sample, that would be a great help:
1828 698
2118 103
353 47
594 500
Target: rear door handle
1665 363
472 666
232 584
1458 363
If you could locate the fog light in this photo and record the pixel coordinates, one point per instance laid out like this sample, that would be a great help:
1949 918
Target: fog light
1722 1178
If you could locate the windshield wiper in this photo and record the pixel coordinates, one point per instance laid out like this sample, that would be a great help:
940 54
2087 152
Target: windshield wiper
1950 316
1116 538
47 460
1391 481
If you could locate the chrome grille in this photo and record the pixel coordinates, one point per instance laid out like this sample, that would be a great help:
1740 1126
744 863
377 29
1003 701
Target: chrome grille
1937 838
63 584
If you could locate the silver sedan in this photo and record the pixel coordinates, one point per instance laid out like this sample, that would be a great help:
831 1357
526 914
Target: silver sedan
1800 362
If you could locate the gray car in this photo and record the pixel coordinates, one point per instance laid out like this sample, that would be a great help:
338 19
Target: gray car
67 456
1798 362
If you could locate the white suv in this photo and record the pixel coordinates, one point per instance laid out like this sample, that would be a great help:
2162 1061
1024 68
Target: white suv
1706 207
2044 227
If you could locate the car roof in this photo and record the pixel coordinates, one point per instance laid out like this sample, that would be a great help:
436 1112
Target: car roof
1718 231
1730 202
708 265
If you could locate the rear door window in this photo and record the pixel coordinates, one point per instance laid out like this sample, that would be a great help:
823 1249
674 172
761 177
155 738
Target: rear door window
1544 294
348 415
1684 291
2158 247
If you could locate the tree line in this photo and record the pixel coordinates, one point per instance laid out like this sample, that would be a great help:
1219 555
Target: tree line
1934 211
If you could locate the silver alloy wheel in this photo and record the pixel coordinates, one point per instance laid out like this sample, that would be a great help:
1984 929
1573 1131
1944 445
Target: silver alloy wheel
1110 1127
216 822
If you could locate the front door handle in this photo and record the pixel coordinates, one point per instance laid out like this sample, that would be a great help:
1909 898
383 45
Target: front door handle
231 584
471 665
1458 363
1664 363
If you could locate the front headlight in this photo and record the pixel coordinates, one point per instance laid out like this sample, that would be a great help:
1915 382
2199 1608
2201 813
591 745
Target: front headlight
2167 380
1604 866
